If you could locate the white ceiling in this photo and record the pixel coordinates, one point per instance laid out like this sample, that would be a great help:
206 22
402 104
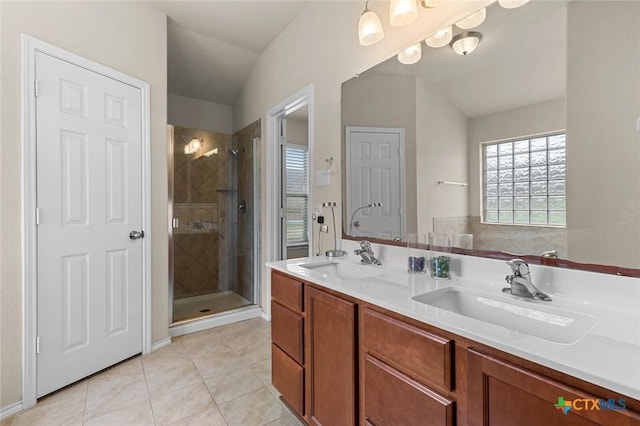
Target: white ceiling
521 60
213 45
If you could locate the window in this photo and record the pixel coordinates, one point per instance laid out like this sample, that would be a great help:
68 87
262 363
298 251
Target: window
524 181
297 193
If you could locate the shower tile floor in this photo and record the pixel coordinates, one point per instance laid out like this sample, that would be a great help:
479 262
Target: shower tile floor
208 304
220 376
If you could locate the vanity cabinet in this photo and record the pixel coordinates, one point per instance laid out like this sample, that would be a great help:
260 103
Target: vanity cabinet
340 361
502 392
332 352
314 351
287 340
404 369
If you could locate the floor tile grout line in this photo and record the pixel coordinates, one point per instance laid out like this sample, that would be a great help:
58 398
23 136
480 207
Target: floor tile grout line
146 383
205 383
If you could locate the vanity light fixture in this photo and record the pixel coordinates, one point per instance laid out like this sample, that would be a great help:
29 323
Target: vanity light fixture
410 55
193 145
370 29
512 4
466 42
402 12
472 20
441 38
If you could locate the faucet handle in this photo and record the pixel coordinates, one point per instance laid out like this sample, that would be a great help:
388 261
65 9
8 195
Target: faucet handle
518 266
365 245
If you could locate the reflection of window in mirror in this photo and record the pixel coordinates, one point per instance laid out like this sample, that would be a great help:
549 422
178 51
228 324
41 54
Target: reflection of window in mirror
297 198
524 181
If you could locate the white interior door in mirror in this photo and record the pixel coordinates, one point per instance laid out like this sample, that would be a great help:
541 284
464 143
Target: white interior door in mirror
375 158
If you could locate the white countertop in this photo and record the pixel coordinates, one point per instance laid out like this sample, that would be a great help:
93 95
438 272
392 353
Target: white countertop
608 355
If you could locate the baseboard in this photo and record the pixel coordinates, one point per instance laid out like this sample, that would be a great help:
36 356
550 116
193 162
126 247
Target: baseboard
217 320
160 343
10 410
265 316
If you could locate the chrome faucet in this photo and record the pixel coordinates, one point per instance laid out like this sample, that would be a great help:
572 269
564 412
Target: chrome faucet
520 282
366 252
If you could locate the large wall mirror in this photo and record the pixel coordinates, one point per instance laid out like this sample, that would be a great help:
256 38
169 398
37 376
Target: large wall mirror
529 144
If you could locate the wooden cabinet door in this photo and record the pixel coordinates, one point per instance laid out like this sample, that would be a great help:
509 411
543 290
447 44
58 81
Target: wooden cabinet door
331 359
502 393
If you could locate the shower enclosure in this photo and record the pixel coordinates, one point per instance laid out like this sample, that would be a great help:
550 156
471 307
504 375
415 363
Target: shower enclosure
213 226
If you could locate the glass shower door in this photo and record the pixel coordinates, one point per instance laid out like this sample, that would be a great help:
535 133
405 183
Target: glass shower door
206 215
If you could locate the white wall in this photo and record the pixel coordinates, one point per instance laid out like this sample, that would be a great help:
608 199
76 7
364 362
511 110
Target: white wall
530 120
386 101
197 114
129 37
603 147
297 132
441 155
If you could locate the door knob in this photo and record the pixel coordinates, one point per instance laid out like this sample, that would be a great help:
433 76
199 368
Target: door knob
136 235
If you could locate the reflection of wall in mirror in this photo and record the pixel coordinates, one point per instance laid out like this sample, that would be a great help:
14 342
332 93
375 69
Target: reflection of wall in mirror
603 147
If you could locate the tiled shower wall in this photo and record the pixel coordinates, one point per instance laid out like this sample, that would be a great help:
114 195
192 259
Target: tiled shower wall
514 239
199 208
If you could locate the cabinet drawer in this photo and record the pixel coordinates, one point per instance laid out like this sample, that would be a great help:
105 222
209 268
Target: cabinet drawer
287 291
288 377
424 355
391 398
287 329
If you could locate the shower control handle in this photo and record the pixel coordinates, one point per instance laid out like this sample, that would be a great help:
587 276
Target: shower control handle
242 207
136 235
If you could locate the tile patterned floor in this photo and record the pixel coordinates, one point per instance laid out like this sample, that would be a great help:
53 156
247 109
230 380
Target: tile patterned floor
215 377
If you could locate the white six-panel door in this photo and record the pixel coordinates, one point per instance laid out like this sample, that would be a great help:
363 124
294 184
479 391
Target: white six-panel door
89 198
375 164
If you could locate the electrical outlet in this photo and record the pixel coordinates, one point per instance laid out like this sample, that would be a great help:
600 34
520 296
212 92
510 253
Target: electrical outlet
324 228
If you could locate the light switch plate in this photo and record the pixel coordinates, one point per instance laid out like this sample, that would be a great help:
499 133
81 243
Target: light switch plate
323 178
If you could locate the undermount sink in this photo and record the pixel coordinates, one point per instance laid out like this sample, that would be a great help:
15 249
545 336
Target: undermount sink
344 270
528 317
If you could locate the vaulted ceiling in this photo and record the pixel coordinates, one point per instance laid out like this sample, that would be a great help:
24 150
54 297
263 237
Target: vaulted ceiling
213 45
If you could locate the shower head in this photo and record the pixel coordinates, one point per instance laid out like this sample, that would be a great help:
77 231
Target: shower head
234 152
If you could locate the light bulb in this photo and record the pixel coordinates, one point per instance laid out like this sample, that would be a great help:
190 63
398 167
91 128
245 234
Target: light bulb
512 4
402 12
370 28
441 38
410 55
472 20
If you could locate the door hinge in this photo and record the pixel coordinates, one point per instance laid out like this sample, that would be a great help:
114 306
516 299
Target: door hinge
35 88
281 213
38 345
37 216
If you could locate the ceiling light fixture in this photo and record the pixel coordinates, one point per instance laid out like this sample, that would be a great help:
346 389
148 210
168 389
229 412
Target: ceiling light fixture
410 55
512 4
472 20
370 29
441 38
402 12
466 42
